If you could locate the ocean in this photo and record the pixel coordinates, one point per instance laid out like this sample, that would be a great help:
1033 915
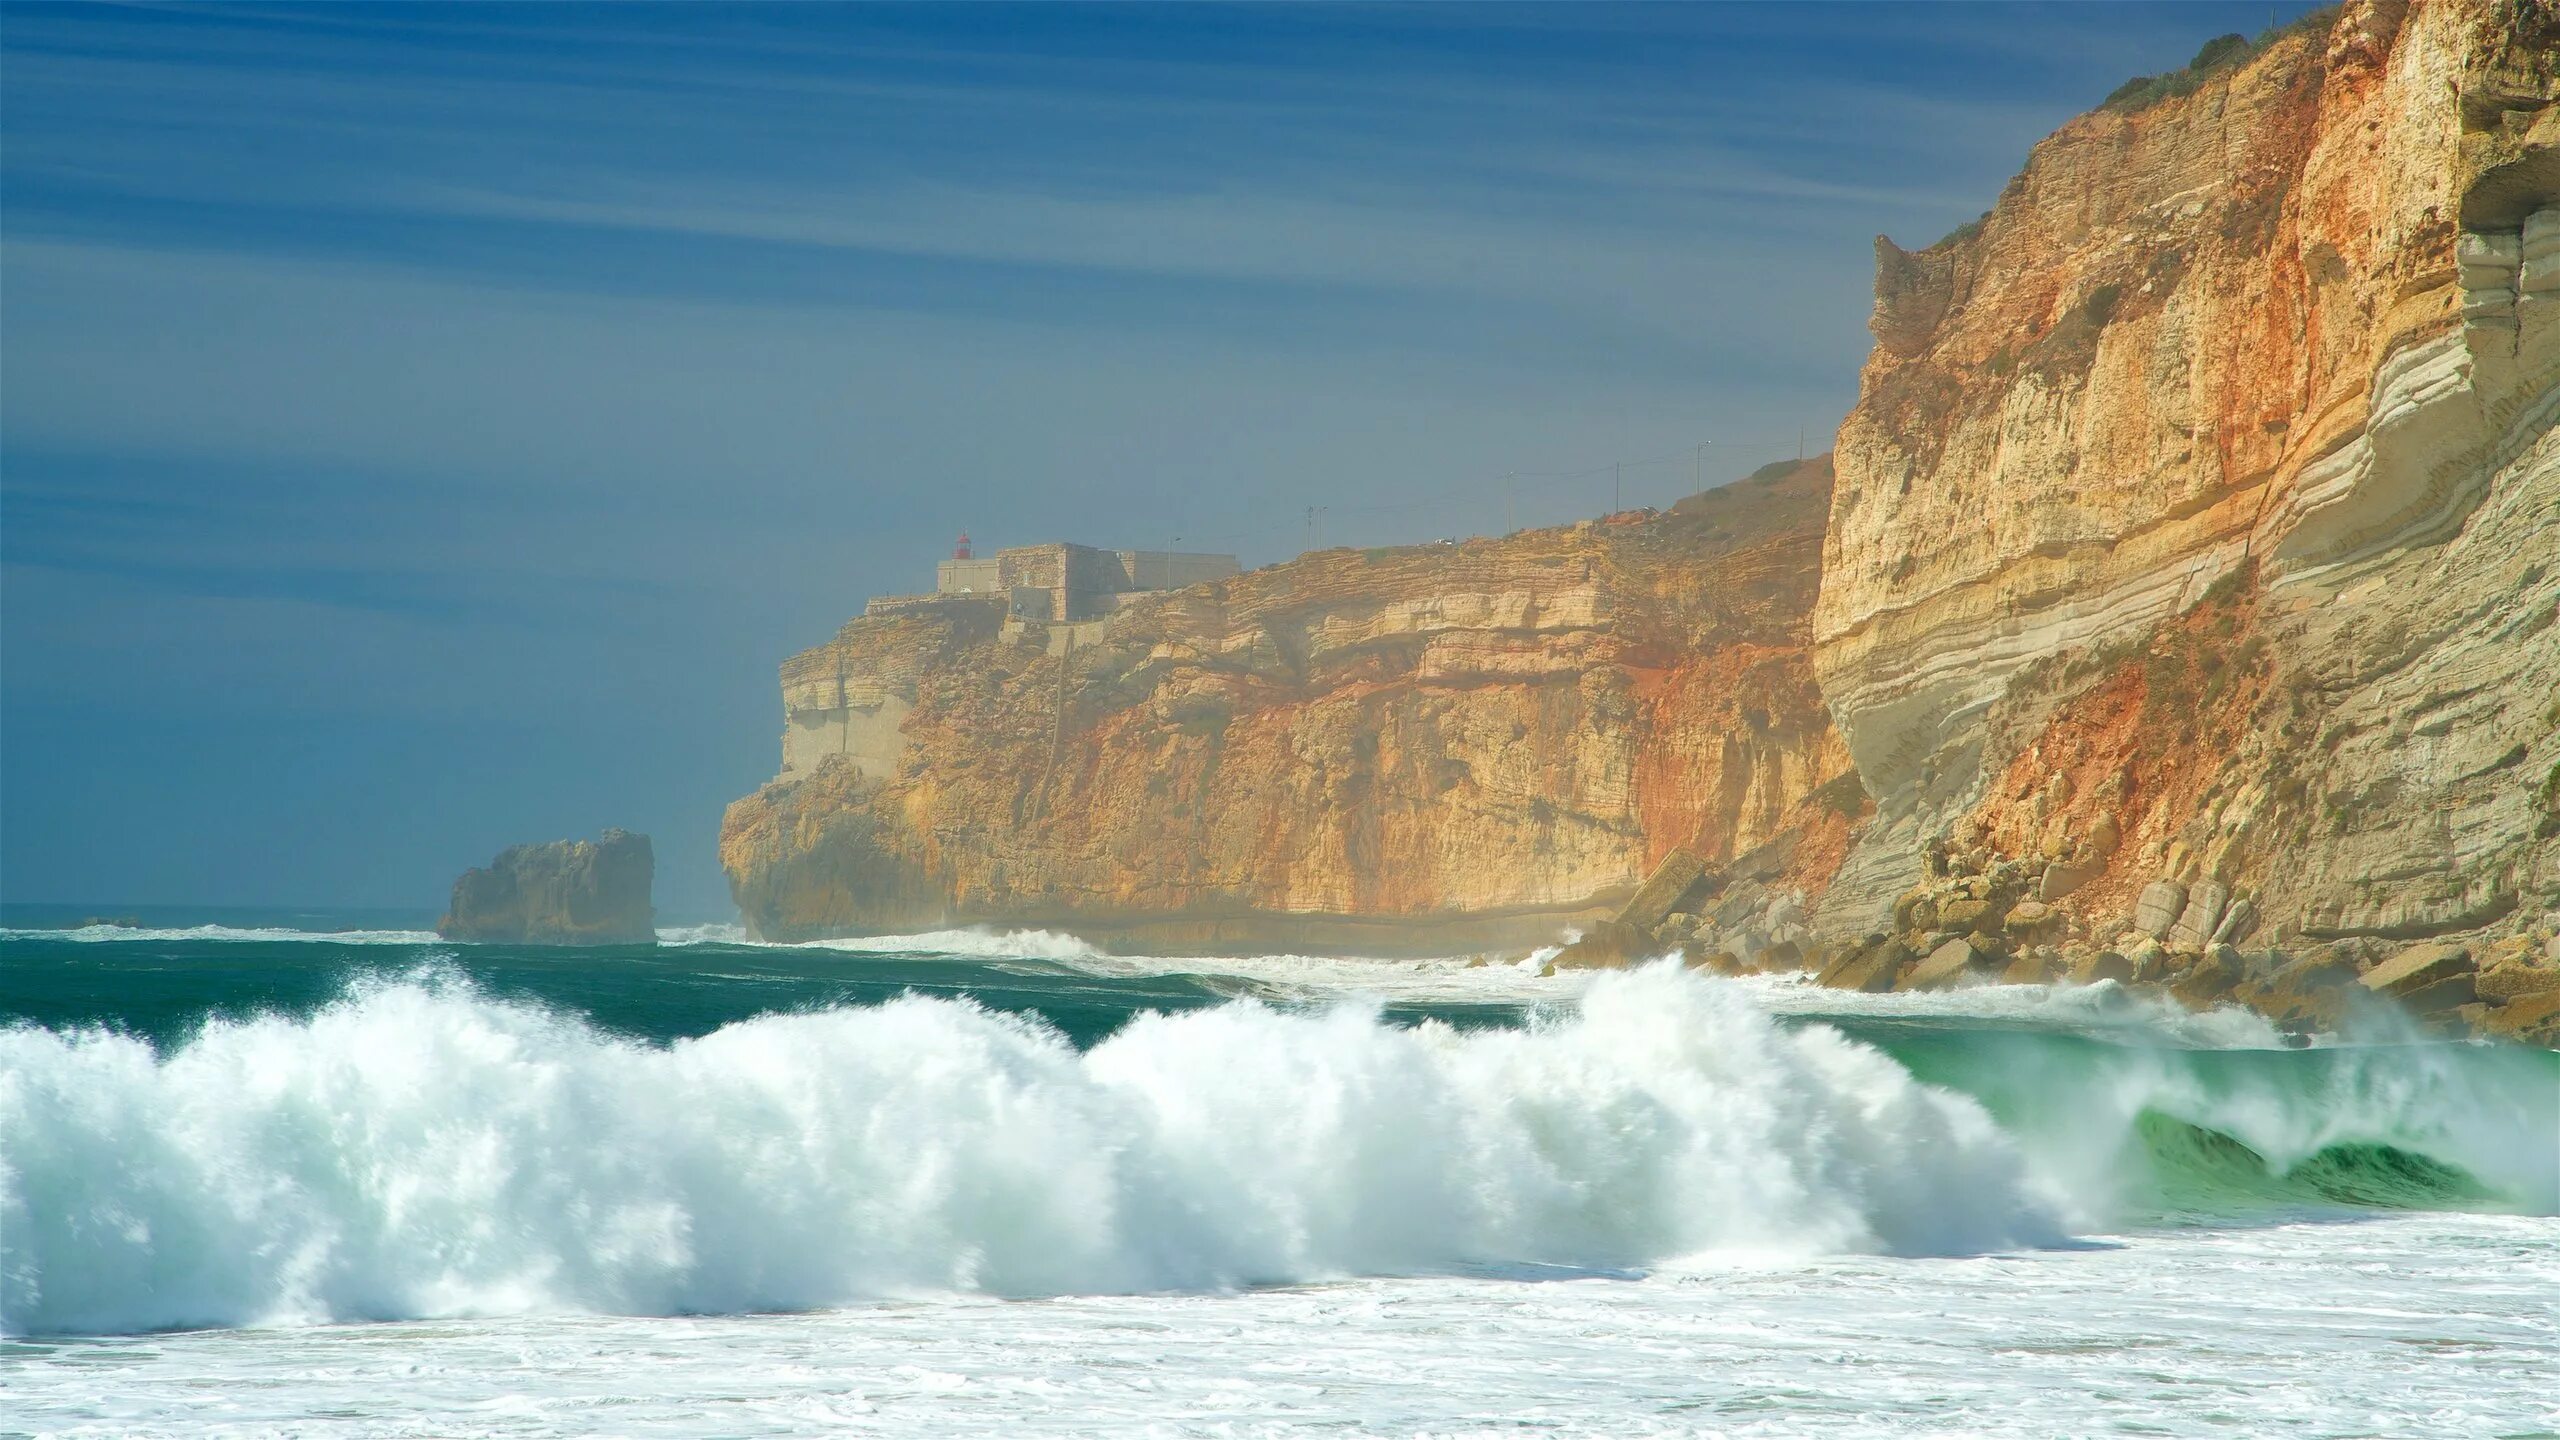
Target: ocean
318 1175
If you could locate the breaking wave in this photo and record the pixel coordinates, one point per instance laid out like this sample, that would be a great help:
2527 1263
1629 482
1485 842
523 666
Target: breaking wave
418 1149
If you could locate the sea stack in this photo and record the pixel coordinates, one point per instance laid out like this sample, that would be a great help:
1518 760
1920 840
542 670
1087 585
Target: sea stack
569 892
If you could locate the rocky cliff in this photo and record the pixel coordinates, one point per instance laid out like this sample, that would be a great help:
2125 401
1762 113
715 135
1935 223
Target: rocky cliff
1408 749
2198 527
568 892
2187 600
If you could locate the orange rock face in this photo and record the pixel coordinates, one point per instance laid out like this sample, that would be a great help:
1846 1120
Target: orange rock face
1411 749
2286 341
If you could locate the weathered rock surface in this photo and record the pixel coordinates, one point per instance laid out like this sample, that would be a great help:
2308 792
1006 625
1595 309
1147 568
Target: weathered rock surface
1419 749
2533 1019
2509 983
1955 960
568 892
1609 945
2157 911
2417 968
1871 967
2208 491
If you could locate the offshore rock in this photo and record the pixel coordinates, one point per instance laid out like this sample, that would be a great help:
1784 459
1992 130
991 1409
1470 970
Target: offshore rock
568 892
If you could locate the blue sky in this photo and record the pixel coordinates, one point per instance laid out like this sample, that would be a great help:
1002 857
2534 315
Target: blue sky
425 428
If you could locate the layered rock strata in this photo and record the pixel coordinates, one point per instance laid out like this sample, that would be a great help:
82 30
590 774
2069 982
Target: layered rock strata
568 892
2206 498
1427 748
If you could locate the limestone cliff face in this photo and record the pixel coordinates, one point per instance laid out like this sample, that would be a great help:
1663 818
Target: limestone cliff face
568 892
1409 749
2209 489
2192 569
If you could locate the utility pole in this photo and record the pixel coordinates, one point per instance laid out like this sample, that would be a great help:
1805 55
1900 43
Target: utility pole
1698 467
1508 525
1617 471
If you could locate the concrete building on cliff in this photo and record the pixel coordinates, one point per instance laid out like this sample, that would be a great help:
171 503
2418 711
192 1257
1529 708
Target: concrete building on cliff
1062 589
1058 582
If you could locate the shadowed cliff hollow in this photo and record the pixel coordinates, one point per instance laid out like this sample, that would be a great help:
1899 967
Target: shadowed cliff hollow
1404 748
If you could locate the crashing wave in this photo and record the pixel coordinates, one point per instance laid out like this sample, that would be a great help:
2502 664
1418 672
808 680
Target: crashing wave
418 1149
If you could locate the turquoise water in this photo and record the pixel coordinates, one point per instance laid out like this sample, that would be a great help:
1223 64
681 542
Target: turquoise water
163 990
483 1153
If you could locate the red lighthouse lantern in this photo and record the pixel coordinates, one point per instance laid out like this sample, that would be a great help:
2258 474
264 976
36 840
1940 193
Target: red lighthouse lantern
961 550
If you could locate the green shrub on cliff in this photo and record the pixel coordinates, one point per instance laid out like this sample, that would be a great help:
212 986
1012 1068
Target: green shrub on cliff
2221 53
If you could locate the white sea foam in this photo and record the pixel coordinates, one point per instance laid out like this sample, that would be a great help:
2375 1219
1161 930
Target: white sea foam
976 943
713 934
1453 977
2420 1327
2102 1008
1465 979
418 1150
108 934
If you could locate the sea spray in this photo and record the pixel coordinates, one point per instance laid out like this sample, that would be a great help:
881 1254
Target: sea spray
418 1149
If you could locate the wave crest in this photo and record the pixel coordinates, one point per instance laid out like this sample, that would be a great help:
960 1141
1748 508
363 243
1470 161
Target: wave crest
419 1150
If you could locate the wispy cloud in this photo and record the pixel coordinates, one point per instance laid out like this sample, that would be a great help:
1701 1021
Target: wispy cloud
518 366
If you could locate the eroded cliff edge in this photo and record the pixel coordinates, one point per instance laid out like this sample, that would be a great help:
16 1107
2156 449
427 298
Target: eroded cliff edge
1415 749
2199 522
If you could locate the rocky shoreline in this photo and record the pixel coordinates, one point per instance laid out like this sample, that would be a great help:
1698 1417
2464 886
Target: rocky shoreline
1986 918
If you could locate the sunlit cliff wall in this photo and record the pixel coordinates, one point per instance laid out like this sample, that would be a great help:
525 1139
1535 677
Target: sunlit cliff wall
2209 486
1409 749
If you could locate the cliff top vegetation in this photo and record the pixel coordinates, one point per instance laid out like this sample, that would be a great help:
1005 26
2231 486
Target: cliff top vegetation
2219 55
